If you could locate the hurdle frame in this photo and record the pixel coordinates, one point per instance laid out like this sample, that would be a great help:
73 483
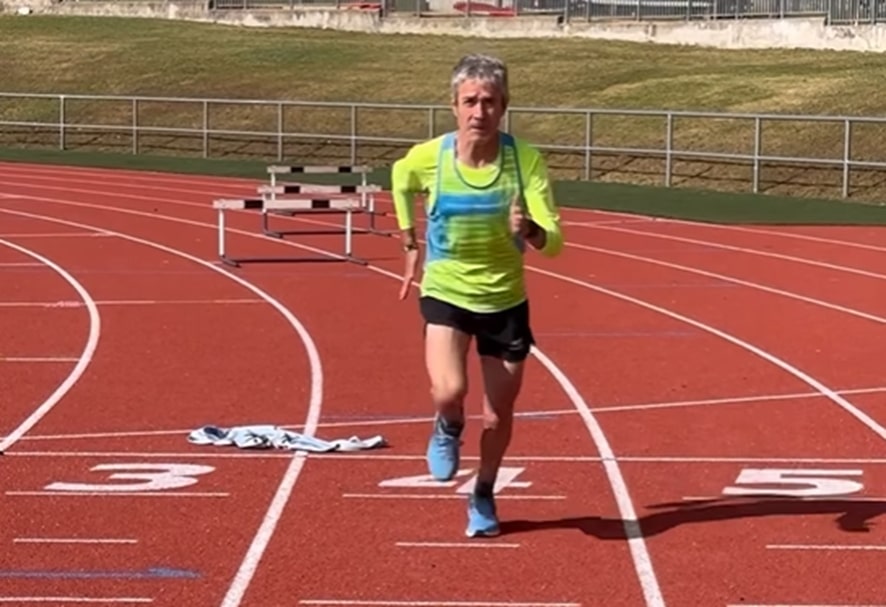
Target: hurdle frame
366 191
348 206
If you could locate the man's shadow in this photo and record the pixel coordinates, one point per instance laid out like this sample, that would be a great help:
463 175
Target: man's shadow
852 516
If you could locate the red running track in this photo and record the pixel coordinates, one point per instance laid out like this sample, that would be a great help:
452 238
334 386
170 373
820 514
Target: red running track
679 365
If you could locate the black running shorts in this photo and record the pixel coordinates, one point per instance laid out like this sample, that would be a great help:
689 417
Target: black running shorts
506 334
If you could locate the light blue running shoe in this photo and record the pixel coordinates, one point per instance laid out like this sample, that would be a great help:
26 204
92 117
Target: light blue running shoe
482 520
443 450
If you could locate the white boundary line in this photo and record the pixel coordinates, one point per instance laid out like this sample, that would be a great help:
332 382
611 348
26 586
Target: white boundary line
840 547
642 562
38 359
261 539
746 250
67 304
512 458
863 417
51 234
82 363
738 281
775 230
390 603
17 600
73 540
529 415
468 545
824 390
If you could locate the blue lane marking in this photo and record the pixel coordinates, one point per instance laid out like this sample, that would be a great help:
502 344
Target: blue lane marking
150 573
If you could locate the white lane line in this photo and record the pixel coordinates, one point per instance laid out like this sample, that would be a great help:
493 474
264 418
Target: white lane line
21 264
38 359
250 562
392 603
16 600
85 356
127 302
54 235
837 547
738 281
73 540
469 545
861 416
642 562
776 232
783 498
444 496
513 457
541 414
749 251
633 532
115 494
868 421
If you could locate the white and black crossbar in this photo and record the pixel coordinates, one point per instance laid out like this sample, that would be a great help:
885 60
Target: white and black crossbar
277 169
275 188
348 205
286 204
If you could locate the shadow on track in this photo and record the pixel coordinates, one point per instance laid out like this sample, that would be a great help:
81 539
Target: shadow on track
852 516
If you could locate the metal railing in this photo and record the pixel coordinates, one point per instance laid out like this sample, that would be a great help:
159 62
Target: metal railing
637 146
573 11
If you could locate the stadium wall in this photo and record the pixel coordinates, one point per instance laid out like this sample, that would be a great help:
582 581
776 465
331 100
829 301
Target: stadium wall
793 32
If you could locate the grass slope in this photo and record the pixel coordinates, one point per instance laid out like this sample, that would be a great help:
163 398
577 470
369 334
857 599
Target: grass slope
162 57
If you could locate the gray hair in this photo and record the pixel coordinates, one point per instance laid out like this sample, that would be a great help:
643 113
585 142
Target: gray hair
481 67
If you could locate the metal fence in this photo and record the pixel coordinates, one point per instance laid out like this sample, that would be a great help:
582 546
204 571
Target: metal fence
571 11
756 152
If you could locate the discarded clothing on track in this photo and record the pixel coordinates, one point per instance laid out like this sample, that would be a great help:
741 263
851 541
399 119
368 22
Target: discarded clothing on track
268 436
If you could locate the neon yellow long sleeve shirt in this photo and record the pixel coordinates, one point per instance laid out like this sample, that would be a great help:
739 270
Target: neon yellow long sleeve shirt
472 258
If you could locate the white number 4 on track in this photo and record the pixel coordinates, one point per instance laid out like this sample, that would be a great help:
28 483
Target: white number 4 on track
506 478
794 482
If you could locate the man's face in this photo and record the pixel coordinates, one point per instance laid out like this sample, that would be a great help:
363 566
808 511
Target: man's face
478 109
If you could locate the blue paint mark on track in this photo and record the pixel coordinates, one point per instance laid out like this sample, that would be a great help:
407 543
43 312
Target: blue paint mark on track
150 573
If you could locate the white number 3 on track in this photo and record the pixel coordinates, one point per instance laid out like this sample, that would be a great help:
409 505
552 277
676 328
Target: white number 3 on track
148 477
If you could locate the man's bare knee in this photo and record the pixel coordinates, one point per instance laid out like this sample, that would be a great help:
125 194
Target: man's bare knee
449 392
445 354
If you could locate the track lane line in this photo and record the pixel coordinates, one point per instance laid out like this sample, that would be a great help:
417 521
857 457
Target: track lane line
82 362
819 387
512 458
824 390
261 539
860 415
734 280
394 421
642 562
747 251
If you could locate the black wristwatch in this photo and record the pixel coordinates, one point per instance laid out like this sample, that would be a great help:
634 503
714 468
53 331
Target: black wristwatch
411 246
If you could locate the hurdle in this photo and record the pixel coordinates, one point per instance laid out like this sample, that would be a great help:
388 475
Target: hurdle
348 206
364 189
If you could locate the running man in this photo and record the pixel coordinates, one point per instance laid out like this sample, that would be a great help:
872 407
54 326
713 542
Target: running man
487 193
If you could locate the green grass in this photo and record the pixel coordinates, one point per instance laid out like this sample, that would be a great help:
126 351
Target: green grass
173 58
697 205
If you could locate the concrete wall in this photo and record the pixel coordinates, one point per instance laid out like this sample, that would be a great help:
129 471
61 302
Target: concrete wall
810 33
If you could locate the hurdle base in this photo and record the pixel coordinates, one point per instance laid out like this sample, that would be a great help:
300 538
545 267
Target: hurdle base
331 232
240 261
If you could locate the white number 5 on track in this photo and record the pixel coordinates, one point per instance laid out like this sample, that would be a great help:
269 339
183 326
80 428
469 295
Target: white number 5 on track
794 482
